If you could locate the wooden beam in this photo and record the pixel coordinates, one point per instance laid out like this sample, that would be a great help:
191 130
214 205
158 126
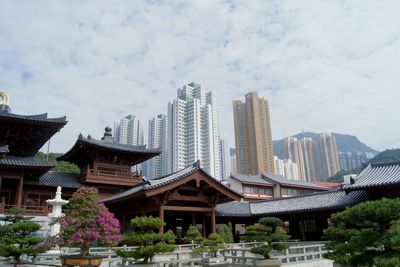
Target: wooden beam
198 198
196 209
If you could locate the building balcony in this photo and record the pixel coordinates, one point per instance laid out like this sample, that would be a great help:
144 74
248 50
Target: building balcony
111 177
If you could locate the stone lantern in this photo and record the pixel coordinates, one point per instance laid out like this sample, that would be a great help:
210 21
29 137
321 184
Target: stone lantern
56 213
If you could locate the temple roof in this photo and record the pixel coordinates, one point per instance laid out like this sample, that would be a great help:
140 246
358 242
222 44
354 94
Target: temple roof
79 153
25 162
331 200
273 178
166 180
67 180
26 134
254 179
376 175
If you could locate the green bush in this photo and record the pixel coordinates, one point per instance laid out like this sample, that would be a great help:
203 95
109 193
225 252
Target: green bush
17 235
212 244
225 231
193 235
268 230
366 233
150 241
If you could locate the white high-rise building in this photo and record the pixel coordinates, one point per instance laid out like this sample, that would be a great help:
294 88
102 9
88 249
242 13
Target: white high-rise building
193 130
158 129
129 131
232 153
279 166
291 170
225 159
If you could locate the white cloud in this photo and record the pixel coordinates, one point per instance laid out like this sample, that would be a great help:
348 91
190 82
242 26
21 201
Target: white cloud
324 66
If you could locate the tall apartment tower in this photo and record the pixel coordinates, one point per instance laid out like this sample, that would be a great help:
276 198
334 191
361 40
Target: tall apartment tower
158 129
253 137
293 150
329 154
232 153
291 170
279 166
310 159
193 130
129 131
225 159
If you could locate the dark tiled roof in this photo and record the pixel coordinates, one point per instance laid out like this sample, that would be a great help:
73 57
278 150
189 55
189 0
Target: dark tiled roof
155 183
68 180
109 146
234 208
4 149
337 199
377 175
34 118
27 162
117 146
257 179
289 182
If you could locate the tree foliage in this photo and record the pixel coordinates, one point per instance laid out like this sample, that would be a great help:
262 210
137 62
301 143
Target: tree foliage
268 230
147 237
212 244
193 235
368 232
17 235
225 231
60 166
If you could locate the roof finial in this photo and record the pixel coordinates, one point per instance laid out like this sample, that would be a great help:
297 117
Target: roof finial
108 134
4 102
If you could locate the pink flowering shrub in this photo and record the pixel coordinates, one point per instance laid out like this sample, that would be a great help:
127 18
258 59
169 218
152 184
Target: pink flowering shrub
86 222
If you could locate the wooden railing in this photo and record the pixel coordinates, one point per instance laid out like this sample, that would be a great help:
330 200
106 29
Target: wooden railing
29 210
116 177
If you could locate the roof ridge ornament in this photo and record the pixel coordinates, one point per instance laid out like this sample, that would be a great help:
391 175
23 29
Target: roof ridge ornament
197 164
4 102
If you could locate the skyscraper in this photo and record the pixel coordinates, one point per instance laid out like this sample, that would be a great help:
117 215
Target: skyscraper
253 137
293 150
193 130
225 159
329 154
129 131
232 153
158 128
291 170
279 166
310 158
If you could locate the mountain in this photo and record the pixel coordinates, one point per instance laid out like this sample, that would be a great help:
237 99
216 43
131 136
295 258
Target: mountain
344 142
389 155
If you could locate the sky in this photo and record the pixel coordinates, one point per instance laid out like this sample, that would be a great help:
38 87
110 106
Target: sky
324 66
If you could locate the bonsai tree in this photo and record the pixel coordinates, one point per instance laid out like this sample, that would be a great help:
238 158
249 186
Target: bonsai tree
225 231
366 233
268 230
212 245
193 235
17 235
148 239
86 223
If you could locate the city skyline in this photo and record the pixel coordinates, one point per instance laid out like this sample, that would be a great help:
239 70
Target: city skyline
95 63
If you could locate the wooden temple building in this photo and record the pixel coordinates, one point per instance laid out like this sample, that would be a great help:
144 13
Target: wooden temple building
189 196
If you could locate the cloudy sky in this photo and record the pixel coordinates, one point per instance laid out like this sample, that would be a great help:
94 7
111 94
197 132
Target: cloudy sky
323 65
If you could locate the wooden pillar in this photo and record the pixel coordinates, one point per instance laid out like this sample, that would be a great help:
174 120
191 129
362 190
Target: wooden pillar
19 192
213 224
161 215
123 223
193 219
204 226
303 229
